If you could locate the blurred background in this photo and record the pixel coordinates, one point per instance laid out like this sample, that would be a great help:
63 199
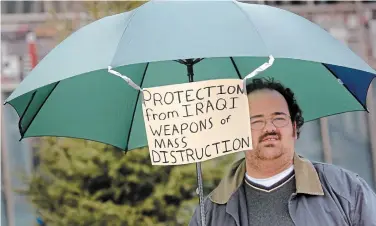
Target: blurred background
61 181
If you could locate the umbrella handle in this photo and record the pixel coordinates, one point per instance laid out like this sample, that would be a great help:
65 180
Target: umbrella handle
200 192
200 189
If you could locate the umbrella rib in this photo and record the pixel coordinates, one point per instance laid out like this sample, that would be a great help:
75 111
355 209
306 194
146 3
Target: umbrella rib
24 113
236 67
180 61
197 60
134 109
250 20
122 35
32 120
344 85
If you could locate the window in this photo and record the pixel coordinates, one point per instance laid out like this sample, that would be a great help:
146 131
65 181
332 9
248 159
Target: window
8 6
28 6
4 219
19 152
372 33
309 144
19 160
57 6
351 147
24 212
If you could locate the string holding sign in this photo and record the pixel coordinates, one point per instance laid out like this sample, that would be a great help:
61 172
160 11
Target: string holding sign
125 78
128 80
250 75
258 70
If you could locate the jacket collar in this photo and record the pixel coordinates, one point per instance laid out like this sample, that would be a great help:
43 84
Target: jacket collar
307 180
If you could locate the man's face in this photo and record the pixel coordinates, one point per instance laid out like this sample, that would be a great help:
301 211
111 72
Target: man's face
273 133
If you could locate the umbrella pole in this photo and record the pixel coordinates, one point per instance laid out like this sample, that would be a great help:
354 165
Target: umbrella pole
200 190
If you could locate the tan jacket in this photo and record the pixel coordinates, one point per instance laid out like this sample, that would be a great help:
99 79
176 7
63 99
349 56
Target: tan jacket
325 195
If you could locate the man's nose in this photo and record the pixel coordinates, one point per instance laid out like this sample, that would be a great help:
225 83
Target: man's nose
269 126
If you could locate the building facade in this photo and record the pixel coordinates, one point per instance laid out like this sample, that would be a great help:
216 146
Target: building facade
19 19
347 140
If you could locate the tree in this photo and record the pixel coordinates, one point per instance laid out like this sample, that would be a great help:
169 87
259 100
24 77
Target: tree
81 182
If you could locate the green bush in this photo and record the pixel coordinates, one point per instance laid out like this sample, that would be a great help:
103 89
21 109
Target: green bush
81 182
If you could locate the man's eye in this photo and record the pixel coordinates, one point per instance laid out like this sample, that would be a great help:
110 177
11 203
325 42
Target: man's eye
256 122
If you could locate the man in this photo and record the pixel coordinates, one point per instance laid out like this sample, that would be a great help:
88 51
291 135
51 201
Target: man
272 185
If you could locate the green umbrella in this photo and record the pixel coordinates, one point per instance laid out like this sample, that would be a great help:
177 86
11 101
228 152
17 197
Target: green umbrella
71 93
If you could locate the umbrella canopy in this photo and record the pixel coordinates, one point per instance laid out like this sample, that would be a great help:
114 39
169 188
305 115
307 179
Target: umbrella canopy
71 94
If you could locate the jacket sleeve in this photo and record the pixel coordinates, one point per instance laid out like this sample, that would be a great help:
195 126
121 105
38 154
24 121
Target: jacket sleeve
365 205
195 220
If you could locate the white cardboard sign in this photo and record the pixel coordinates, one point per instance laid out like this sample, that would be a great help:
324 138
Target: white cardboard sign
194 122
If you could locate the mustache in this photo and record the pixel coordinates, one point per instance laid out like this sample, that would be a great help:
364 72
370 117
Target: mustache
270 134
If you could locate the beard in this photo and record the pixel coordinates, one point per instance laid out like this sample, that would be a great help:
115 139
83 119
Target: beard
269 152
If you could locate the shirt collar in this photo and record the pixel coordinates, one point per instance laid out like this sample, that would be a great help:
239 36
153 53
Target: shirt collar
307 180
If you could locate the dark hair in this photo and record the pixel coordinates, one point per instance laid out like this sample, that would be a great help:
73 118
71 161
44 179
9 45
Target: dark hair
269 83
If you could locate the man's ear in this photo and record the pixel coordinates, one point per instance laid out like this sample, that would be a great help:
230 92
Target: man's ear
294 130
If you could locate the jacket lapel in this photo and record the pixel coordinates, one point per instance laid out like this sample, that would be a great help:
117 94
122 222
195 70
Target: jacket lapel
237 207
